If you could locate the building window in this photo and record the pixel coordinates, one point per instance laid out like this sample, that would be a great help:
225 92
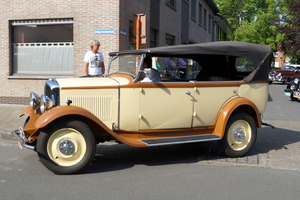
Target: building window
170 40
153 37
200 14
171 3
42 47
193 9
205 19
209 23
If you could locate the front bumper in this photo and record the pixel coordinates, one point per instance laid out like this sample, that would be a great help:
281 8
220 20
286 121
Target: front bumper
276 78
289 92
20 135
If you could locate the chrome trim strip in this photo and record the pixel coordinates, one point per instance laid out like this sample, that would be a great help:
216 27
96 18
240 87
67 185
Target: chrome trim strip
180 140
20 135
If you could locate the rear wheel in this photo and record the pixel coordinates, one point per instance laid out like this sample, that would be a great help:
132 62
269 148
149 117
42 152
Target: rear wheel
66 147
240 135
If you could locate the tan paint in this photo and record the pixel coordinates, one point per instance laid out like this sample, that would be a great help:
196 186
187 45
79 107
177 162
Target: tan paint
103 103
151 110
130 104
208 103
257 93
166 107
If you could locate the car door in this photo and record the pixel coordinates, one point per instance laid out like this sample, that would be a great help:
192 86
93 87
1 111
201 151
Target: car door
210 99
166 105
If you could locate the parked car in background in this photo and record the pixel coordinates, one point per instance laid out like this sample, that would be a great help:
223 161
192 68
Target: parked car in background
221 103
293 90
286 74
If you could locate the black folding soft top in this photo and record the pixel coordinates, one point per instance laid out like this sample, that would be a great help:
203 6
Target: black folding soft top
215 51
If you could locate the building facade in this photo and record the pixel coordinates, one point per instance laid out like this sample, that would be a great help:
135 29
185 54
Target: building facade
44 39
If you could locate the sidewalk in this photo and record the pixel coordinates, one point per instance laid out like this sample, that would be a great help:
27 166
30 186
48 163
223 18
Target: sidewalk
10 120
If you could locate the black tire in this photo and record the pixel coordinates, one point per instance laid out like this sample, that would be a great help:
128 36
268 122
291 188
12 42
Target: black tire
240 135
293 98
285 80
66 147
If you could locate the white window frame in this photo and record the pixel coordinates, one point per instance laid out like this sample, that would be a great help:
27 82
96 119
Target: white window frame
42 58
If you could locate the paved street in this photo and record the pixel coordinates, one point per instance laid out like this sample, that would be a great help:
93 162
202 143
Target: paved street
187 171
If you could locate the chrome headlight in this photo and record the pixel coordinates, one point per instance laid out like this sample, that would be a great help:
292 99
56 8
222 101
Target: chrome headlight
46 103
34 100
292 87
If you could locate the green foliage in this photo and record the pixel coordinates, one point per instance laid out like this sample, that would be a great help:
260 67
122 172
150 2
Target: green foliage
254 20
291 29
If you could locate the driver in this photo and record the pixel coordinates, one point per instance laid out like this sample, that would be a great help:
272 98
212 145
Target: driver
154 75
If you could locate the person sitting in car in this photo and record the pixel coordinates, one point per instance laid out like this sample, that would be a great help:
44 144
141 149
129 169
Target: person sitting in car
151 75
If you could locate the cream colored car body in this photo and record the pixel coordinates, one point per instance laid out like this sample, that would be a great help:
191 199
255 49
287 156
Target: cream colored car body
141 108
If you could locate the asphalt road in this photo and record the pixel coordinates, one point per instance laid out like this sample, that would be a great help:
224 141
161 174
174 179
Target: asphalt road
188 171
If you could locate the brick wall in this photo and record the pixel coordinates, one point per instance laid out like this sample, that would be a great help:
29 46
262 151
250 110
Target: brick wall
87 17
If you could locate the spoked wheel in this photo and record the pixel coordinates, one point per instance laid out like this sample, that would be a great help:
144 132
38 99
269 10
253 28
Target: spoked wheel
66 147
240 135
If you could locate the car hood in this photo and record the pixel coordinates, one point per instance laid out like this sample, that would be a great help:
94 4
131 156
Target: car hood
91 82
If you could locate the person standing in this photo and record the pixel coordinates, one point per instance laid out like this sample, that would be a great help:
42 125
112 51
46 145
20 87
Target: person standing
94 61
182 67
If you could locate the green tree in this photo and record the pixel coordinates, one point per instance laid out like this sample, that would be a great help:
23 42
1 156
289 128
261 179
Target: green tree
254 20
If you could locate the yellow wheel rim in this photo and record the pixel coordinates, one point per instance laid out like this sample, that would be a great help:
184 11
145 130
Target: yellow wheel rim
66 147
239 135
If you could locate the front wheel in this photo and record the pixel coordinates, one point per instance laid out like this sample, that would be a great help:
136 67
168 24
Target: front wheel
293 98
240 135
66 147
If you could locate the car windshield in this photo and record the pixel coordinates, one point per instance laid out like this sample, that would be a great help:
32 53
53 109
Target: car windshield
288 67
127 64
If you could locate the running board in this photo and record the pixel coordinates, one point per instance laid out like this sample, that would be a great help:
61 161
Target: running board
180 140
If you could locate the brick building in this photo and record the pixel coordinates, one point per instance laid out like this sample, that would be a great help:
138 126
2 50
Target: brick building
42 39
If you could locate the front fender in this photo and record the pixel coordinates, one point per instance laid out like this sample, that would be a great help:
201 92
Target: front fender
62 111
229 108
37 122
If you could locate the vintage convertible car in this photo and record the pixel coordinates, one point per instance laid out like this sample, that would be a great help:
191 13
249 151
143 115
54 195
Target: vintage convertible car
214 101
293 90
286 74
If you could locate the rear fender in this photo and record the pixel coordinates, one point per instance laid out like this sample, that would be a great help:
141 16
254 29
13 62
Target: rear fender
238 104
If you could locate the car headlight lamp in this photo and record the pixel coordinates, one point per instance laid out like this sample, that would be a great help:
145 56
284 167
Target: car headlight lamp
34 101
296 81
292 87
46 103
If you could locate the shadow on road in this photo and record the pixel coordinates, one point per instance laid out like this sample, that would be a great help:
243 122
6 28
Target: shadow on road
275 139
119 157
